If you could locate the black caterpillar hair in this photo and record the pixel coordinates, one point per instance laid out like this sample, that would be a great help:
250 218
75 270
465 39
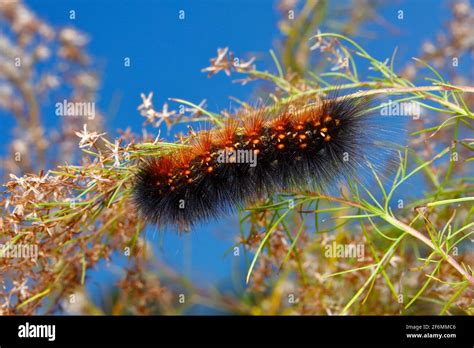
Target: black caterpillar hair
297 147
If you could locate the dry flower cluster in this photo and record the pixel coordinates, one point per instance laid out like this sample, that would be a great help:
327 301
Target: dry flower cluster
227 62
27 48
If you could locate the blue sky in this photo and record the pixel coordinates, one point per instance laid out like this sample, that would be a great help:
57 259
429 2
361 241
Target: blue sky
167 55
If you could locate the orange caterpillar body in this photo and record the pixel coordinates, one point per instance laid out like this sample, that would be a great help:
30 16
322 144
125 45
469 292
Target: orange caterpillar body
297 147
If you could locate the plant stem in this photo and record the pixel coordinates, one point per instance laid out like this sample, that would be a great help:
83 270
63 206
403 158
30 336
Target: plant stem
410 230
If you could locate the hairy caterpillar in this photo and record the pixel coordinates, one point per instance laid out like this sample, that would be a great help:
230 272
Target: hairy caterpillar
301 146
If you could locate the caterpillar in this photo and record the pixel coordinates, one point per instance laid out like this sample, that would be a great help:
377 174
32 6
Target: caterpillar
303 145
